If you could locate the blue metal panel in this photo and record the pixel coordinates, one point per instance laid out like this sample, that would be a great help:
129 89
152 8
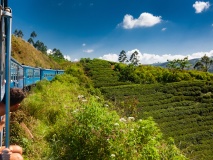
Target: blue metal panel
48 74
28 76
31 75
36 76
60 71
16 74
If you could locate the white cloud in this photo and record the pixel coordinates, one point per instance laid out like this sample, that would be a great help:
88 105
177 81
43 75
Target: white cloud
49 51
201 6
144 20
84 44
88 51
200 54
147 58
67 57
163 29
76 60
110 57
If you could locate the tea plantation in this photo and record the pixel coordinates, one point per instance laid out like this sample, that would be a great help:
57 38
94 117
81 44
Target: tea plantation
183 108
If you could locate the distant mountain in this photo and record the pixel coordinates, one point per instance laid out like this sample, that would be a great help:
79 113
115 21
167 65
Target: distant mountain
164 64
192 61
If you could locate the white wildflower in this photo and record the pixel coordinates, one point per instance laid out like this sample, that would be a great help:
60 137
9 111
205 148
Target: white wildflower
106 105
131 118
97 97
112 155
75 111
116 124
80 96
122 120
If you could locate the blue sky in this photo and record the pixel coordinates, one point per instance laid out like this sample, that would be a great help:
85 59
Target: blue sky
157 29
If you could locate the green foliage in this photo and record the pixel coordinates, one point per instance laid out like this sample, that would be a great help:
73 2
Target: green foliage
204 64
104 73
93 132
183 110
40 46
57 54
127 73
101 72
78 125
178 64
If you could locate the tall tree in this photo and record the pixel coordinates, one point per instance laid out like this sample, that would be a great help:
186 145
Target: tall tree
30 40
16 32
20 33
178 64
33 34
122 57
204 64
184 63
134 59
57 54
40 46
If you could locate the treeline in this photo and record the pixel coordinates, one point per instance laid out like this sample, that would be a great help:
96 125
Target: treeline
203 64
150 74
105 73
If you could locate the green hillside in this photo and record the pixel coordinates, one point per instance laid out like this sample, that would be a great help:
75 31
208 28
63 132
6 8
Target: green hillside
182 108
26 54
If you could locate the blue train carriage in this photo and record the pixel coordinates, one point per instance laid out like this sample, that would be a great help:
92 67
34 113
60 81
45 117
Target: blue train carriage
17 74
31 75
48 74
60 71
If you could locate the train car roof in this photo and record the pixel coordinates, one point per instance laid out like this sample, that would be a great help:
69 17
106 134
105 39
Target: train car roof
48 69
15 61
25 66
